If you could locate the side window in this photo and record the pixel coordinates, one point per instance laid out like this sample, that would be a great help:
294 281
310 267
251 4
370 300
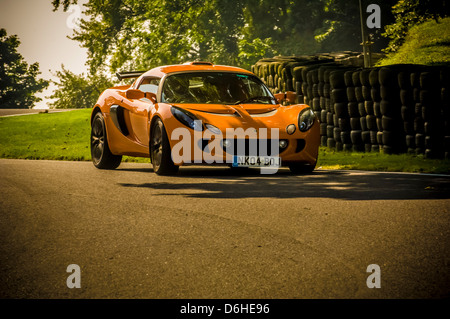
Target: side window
149 85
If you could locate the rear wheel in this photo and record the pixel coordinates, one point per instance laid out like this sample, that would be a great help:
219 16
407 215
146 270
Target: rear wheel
100 152
160 152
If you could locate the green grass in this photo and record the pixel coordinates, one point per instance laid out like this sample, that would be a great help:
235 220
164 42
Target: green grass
330 159
65 136
51 136
427 43
56 136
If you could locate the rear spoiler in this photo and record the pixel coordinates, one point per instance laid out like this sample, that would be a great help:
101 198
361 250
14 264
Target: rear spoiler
129 75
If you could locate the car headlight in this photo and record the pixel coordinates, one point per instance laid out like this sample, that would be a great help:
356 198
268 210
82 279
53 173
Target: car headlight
187 118
306 119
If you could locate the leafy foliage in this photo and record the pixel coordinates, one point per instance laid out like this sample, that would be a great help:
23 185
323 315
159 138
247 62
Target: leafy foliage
139 34
427 43
409 13
18 80
78 91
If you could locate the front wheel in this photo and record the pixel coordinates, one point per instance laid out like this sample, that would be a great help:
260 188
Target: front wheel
100 152
160 152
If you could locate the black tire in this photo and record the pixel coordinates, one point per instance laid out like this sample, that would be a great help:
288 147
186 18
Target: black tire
368 106
100 152
323 129
380 137
337 134
331 143
373 77
358 94
353 110
365 90
379 124
364 77
355 78
404 80
323 116
316 104
355 123
408 127
339 95
419 125
315 90
337 79
365 136
351 94
347 147
411 141
344 124
389 93
406 97
373 137
407 113
348 78
387 108
429 80
340 109
302 168
356 137
298 88
345 137
375 94
388 123
329 118
388 138
362 109
387 77
330 131
160 152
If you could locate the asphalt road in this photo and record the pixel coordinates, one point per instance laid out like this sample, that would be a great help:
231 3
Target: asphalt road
207 233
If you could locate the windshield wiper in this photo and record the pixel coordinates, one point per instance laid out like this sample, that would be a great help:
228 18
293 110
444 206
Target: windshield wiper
265 97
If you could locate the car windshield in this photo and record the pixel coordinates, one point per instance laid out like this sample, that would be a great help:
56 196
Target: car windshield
215 88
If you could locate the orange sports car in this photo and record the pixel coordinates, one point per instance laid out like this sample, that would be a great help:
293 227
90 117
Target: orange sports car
200 113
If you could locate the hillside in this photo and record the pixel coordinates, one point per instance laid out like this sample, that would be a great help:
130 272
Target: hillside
427 43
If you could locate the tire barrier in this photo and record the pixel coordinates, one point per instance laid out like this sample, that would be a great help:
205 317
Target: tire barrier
394 109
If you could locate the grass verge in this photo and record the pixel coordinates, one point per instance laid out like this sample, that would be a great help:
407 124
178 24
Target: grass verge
65 136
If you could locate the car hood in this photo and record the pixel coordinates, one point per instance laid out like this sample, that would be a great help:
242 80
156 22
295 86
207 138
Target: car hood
230 109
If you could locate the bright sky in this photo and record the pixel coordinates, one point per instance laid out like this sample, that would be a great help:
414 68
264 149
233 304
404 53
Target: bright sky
43 36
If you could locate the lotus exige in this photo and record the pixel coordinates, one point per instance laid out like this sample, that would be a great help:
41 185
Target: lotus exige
200 113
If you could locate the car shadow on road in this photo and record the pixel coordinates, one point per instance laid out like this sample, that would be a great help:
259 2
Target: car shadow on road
346 185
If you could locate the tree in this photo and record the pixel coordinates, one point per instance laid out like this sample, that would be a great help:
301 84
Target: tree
18 80
77 91
140 34
409 13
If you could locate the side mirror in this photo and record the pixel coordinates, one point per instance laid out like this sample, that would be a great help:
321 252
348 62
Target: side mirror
135 94
138 94
286 98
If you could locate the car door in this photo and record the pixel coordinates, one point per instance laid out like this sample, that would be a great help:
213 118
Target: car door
140 109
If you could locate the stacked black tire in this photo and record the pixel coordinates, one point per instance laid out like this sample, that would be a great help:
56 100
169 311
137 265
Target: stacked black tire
445 102
392 109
